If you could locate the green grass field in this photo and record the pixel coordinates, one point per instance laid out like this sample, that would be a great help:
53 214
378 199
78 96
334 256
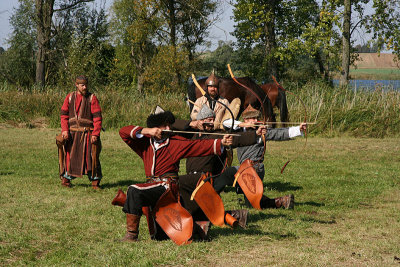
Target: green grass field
375 74
347 194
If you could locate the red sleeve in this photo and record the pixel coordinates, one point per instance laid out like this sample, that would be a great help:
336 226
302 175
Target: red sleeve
65 114
96 113
198 148
128 135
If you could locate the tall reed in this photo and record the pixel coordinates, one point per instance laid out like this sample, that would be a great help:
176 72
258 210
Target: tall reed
336 111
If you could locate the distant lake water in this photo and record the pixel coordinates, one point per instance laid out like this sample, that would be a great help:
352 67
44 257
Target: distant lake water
372 84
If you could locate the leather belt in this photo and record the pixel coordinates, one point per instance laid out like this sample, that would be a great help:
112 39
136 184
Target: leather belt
168 177
81 129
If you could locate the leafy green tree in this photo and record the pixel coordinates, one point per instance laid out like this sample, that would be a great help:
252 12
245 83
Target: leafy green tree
274 30
89 51
159 75
195 24
218 59
144 29
134 26
17 64
184 22
43 18
384 23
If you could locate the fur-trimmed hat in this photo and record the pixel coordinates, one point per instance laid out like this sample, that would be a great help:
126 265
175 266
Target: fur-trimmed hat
250 112
160 118
81 80
212 80
205 112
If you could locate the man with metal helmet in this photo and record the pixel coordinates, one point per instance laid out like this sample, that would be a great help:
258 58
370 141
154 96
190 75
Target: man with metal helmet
212 86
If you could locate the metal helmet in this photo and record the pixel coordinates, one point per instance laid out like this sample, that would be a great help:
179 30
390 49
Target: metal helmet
212 80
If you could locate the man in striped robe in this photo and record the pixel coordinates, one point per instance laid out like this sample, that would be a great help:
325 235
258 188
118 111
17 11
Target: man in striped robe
80 131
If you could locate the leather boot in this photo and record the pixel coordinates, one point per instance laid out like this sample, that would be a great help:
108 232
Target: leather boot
132 228
286 201
65 182
96 184
119 199
240 215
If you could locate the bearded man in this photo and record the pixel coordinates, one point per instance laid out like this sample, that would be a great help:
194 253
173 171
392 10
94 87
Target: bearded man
212 87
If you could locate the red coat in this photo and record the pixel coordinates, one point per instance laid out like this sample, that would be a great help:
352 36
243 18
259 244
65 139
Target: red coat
166 158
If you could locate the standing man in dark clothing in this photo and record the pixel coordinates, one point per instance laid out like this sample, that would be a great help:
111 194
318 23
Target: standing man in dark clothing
79 142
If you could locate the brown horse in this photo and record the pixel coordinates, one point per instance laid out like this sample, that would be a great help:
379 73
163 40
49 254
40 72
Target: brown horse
277 96
230 90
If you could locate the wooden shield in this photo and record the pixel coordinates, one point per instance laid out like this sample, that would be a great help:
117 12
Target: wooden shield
211 204
176 222
250 183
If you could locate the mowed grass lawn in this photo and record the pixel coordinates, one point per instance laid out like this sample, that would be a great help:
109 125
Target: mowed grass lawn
347 211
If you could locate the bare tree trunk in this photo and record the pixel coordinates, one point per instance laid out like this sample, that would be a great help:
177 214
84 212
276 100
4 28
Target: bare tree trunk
344 75
44 14
270 39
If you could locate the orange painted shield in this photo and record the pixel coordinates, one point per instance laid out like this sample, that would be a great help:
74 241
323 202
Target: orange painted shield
250 183
211 204
176 221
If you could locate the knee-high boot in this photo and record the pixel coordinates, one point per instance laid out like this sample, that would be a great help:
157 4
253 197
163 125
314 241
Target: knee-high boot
132 228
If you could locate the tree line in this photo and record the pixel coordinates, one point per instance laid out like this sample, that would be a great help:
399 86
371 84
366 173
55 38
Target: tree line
153 45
